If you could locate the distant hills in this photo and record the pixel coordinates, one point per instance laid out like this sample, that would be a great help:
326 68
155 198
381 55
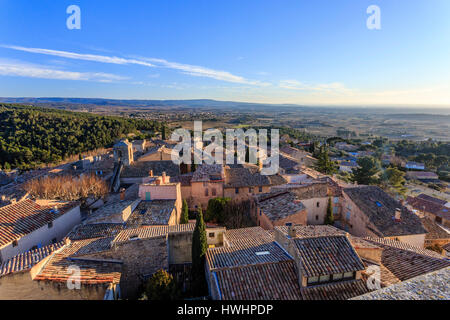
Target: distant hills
77 103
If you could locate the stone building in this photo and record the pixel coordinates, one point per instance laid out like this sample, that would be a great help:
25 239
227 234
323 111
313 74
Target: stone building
123 151
30 224
368 211
278 208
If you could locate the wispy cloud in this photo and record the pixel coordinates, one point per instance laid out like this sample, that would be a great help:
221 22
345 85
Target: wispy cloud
192 70
336 87
33 71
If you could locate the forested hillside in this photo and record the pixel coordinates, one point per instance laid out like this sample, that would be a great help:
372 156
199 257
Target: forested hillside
31 136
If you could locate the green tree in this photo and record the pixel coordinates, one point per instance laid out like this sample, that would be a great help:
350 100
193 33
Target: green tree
329 218
324 163
215 210
163 132
161 286
184 213
366 173
199 247
395 179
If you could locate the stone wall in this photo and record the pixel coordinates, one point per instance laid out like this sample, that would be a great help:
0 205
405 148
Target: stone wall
20 286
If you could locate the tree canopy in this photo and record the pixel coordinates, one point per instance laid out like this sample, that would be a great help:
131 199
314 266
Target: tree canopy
33 136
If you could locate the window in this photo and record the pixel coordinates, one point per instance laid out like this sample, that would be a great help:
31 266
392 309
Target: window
212 234
338 276
206 192
236 190
318 204
324 278
260 189
50 225
348 275
317 217
336 200
313 280
260 212
348 215
335 210
214 193
15 243
250 190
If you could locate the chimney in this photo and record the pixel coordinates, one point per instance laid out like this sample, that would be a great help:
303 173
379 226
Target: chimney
150 173
122 194
291 230
158 182
164 177
398 215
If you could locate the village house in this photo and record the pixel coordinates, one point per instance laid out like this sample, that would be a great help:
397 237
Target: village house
257 265
431 209
315 197
48 274
32 224
369 211
278 208
159 153
304 158
206 183
424 176
415 165
241 183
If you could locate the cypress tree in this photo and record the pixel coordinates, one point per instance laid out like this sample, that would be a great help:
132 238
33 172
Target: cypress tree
199 247
329 219
184 213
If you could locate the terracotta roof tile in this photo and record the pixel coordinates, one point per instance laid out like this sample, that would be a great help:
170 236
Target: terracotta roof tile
327 255
27 260
24 217
271 281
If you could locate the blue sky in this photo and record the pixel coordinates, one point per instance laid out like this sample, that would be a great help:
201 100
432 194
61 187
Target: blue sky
306 52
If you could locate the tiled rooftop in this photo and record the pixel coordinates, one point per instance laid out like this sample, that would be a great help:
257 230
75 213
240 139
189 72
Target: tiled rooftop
142 169
88 246
27 260
24 217
279 205
206 172
335 291
431 286
406 262
434 230
270 281
432 199
429 206
248 236
57 269
327 255
313 231
152 231
243 255
155 212
380 208
90 231
245 177
111 209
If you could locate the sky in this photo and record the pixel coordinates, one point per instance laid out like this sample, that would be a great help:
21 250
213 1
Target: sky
291 51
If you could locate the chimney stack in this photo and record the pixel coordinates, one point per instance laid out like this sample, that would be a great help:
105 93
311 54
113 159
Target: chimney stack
398 214
260 165
150 173
291 230
122 194
164 177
